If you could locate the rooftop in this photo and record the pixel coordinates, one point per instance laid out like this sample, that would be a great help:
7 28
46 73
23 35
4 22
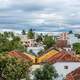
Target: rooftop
21 55
74 75
63 56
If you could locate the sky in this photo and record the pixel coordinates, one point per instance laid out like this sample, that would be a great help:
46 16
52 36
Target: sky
41 15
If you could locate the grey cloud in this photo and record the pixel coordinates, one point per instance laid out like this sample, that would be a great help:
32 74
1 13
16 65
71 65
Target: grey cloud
24 12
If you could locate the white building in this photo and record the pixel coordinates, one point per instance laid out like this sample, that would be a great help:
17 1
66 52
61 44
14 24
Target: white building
72 39
35 49
64 68
63 62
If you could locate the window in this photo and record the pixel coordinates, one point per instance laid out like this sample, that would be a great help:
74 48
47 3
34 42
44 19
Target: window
65 67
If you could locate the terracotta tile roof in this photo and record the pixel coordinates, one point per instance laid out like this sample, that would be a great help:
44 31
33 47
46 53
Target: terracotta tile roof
21 55
74 75
63 57
52 56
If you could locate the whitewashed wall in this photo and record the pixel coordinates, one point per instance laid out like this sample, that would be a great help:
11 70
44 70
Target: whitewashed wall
59 66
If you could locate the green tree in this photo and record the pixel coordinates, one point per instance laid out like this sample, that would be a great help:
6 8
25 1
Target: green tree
38 74
8 45
31 34
39 38
11 34
40 52
6 34
48 41
47 72
70 32
13 68
30 51
15 44
16 38
4 44
23 32
76 47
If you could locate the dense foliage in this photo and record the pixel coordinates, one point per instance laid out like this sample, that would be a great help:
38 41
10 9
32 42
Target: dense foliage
13 68
39 38
30 34
47 72
48 41
10 42
23 32
70 32
40 52
76 47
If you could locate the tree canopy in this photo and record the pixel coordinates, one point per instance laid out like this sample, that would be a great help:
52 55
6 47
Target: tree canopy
70 32
39 38
48 41
23 32
47 72
13 68
8 45
30 34
76 47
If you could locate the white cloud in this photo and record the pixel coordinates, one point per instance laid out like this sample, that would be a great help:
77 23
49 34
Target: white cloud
4 3
49 12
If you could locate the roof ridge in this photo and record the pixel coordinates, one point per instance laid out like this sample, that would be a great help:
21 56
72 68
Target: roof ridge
58 57
45 52
19 54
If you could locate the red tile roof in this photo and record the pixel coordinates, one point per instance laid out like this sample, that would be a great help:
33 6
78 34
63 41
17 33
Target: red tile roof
74 75
63 57
21 55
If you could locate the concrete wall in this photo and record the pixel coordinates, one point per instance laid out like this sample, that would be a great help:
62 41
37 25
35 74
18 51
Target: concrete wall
60 67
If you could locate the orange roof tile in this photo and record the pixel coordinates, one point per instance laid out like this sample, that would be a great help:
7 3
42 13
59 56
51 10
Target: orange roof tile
21 55
63 57
74 75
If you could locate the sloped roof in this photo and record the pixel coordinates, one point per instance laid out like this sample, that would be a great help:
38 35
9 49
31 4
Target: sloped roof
51 56
21 55
47 51
63 56
74 75
47 55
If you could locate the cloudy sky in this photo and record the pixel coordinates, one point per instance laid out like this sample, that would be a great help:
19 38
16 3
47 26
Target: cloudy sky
41 15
